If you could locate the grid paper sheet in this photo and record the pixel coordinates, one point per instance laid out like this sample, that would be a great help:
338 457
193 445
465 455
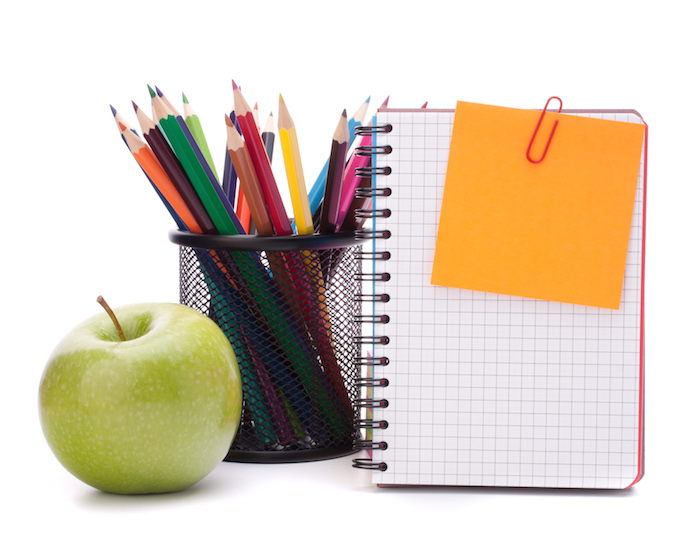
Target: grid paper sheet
495 390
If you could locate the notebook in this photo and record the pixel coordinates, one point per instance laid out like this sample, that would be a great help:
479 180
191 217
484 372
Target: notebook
478 387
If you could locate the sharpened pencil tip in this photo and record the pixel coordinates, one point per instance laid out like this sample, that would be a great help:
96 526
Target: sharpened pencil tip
344 113
113 110
152 94
234 86
159 91
185 100
135 106
385 102
281 99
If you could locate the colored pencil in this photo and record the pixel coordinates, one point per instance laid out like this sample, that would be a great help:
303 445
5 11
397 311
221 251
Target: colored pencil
230 177
295 171
289 300
149 163
268 137
120 121
174 170
228 181
248 180
249 283
318 320
356 164
296 346
157 91
352 222
316 192
242 209
193 168
195 126
325 396
221 196
261 163
122 125
333 181
241 328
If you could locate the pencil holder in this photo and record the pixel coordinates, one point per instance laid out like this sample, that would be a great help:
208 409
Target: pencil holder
288 306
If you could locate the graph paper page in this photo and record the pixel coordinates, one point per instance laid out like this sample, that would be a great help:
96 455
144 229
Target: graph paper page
495 390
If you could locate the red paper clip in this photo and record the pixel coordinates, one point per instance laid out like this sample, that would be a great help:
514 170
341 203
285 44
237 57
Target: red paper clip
537 127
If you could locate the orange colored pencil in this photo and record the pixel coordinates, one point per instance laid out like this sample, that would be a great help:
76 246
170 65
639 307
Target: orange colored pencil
149 163
243 211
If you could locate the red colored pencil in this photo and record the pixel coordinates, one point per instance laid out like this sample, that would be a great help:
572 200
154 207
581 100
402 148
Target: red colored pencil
261 163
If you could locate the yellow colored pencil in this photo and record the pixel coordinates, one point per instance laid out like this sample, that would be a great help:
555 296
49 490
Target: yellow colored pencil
295 172
321 329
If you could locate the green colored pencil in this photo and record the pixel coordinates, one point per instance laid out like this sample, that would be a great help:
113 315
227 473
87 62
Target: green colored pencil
193 122
195 171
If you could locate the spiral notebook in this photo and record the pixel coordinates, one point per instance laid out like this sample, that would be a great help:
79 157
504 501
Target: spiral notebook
473 386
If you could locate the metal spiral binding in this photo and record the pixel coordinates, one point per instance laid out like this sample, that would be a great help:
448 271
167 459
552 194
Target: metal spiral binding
370 130
376 299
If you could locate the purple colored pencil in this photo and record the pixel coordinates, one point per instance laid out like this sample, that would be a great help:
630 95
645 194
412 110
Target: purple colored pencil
230 177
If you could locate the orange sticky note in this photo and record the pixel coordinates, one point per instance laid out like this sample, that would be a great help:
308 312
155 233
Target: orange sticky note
557 230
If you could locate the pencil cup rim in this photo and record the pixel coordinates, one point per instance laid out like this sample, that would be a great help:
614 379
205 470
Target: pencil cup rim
260 243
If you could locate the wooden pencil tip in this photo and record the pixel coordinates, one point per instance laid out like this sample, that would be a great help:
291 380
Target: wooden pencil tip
385 102
185 100
240 105
269 125
135 106
342 129
152 94
159 93
281 99
113 110
234 86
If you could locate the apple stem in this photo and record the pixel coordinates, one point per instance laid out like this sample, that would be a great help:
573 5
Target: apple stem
111 314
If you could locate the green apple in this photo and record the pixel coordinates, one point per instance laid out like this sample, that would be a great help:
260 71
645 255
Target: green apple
153 413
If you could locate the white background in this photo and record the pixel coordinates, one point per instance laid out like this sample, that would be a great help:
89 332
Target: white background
81 220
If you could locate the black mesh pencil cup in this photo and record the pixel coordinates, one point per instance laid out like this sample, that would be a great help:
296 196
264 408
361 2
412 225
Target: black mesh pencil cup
288 306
